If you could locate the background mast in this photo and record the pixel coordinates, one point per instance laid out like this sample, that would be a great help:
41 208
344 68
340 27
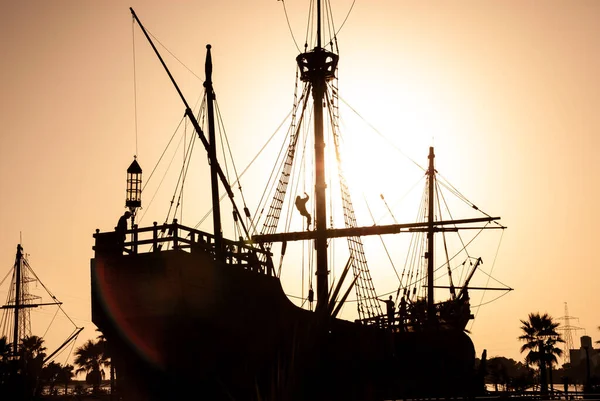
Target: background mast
430 231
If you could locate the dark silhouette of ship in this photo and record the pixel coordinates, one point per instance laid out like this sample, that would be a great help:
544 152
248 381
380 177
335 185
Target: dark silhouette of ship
190 311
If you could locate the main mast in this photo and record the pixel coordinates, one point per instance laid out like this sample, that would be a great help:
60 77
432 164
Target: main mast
317 67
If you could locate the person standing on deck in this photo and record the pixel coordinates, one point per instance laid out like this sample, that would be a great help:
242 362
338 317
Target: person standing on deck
402 312
301 206
389 303
122 227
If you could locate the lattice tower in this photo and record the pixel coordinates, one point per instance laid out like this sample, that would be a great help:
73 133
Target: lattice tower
568 329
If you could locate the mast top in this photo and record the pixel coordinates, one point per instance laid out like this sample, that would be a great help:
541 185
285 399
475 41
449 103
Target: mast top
316 65
208 67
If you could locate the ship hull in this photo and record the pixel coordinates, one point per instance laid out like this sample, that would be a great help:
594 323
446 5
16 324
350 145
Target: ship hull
179 322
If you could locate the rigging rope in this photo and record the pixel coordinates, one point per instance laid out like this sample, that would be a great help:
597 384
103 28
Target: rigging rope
287 19
135 77
183 175
387 207
328 22
26 263
172 54
309 25
489 276
165 174
439 195
483 304
225 141
400 199
51 321
163 153
247 168
451 188
417 245
345 19
5 277
273 215
135 115
329 19
68 355
368 305
183 165
382 242
382 136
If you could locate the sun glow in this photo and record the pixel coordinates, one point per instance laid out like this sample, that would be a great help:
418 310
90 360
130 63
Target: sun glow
384 144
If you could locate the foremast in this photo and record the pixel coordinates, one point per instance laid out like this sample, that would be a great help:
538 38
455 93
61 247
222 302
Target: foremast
216 171
317 68
212 153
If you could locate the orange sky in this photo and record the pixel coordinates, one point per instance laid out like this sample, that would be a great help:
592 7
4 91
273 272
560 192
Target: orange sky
507 92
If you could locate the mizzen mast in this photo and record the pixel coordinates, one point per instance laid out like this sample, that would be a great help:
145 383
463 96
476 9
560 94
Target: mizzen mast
317 67
430 231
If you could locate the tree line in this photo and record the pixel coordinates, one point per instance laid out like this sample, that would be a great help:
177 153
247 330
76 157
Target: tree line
25 376
539 369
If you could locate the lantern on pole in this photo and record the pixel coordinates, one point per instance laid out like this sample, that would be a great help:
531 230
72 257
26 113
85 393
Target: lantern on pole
133 198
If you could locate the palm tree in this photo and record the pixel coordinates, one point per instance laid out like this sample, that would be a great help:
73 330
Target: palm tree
6 365
497 372
551 353
91 359
5 349
51 375
102 343
66 375
32 353
541 337
32 347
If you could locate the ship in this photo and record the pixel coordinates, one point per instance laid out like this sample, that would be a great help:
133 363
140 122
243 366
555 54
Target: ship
186 311
23 352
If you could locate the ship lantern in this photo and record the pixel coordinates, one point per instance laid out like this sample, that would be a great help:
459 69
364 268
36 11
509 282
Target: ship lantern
134 186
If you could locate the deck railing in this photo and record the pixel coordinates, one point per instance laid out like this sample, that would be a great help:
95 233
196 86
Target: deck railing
175 236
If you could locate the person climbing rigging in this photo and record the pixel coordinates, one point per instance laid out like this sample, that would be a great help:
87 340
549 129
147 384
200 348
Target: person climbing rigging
301 206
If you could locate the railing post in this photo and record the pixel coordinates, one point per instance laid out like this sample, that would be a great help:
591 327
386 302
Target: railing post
175 234
95 247
135 239
154 237
270 267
